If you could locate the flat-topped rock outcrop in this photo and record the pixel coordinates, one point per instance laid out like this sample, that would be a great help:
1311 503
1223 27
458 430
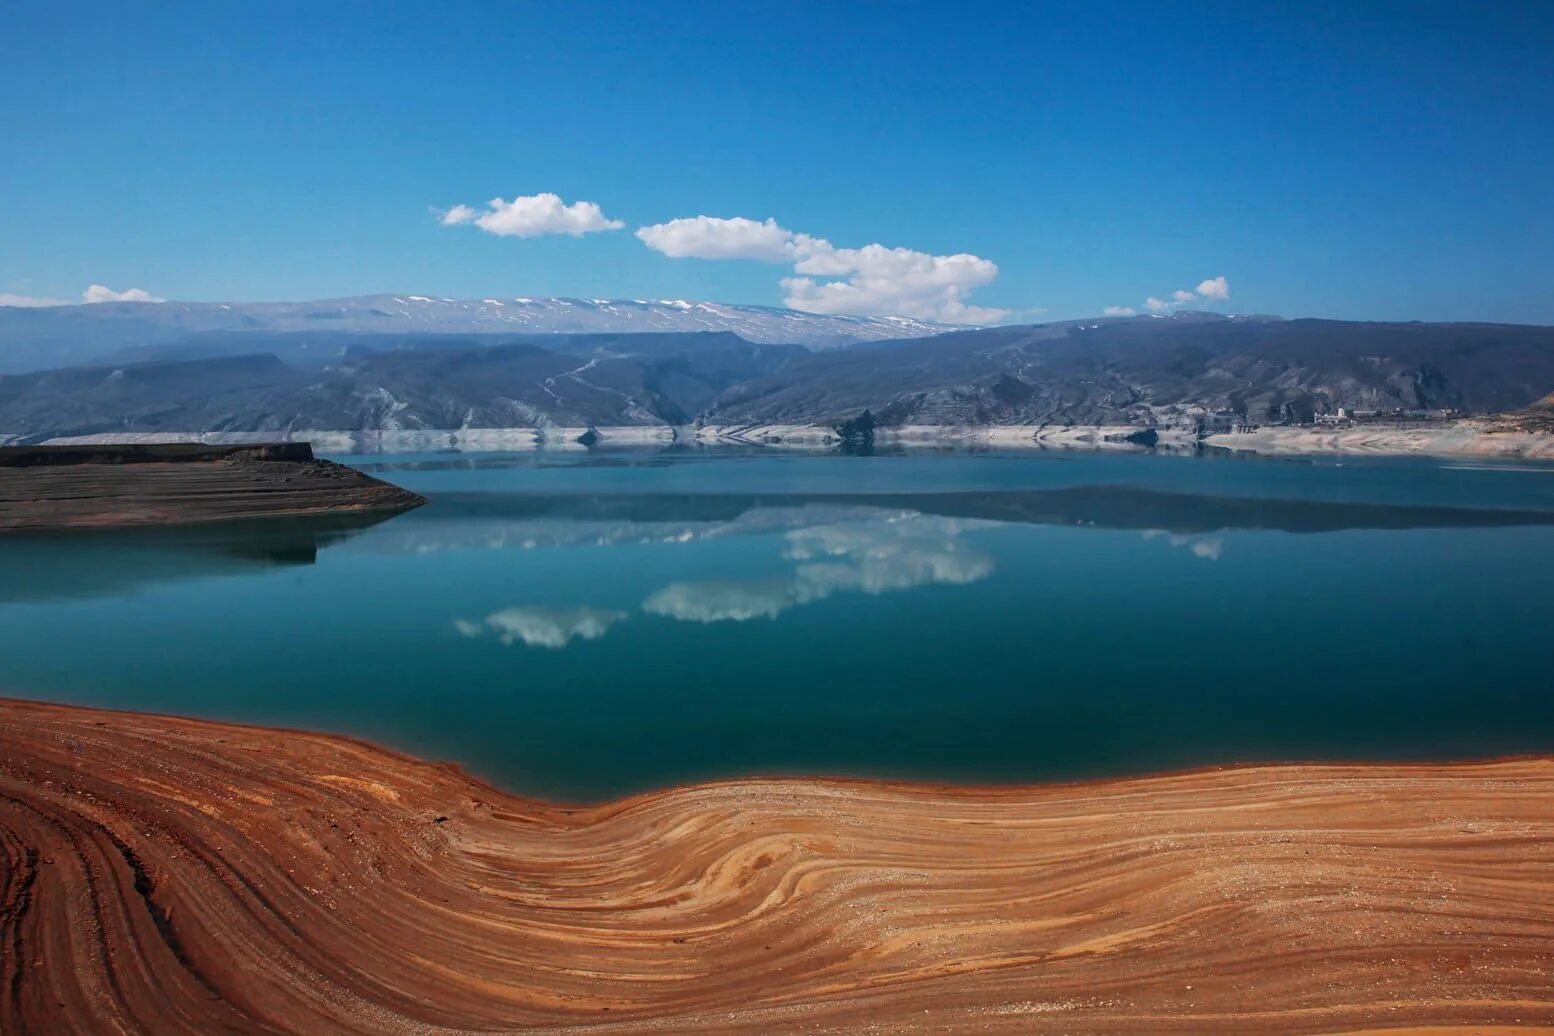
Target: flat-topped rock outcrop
94 486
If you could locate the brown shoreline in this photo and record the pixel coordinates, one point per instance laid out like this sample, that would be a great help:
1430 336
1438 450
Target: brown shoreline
165 874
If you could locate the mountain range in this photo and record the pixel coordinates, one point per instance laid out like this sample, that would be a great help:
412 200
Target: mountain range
56 336
1144 371
1157 370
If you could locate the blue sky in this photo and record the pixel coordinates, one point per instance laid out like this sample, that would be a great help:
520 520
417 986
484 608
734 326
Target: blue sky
1387 161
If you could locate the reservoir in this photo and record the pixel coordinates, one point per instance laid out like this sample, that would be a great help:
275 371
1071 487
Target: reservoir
586 624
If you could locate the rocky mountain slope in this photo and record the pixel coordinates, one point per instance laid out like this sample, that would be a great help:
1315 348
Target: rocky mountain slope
58 336
1147 370
1539 417
1129 371
580 380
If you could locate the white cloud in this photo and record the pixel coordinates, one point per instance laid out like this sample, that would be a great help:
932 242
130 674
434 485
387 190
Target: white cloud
542 627
93 293
893 282
533 215
870 281
103 293
1214 289
708 237
29 301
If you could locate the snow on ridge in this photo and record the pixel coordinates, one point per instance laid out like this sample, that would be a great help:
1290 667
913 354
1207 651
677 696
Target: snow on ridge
441 315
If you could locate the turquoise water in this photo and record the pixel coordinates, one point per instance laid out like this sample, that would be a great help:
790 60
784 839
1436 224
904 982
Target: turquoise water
581 626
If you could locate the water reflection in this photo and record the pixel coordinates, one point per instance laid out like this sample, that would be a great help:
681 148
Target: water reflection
41 567
853 541
1210 548
871 556
535 519
541 627
855 551
999 633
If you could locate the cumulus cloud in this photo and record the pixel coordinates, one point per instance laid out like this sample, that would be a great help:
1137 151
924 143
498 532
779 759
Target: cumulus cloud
103 293
873 556
1213 289
708 237
870 281
893 282
541 627
532 215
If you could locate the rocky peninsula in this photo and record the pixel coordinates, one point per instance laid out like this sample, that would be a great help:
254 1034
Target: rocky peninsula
96 486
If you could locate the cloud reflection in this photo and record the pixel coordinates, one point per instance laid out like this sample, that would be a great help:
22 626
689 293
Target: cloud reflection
871 556
1207 547
726 601
541 627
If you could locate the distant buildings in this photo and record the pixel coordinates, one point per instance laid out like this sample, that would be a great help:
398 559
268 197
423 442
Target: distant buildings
1223 421
1346 418
1236 422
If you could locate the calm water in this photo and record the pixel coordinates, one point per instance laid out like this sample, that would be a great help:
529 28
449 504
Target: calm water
585 625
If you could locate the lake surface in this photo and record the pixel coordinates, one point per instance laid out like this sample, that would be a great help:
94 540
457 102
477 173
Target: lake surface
581 625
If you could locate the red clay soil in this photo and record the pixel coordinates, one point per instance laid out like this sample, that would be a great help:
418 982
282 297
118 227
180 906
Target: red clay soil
170 875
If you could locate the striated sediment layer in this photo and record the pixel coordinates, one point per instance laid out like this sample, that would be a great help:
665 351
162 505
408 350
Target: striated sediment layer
171 875
94 486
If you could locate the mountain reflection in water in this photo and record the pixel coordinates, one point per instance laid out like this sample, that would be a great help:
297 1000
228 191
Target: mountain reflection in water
91 563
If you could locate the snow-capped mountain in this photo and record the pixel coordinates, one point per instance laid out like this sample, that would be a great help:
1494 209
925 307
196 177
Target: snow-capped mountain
761 324
54 336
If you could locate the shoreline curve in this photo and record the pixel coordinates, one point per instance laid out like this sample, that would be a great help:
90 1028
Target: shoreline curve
166 874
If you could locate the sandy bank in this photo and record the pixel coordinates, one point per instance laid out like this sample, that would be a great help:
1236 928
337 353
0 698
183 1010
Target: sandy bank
172 875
